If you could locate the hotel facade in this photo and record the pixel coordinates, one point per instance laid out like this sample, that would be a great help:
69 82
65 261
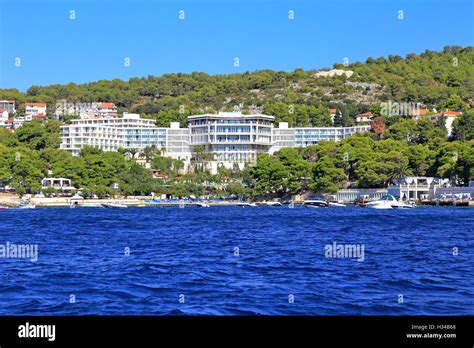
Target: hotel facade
226 138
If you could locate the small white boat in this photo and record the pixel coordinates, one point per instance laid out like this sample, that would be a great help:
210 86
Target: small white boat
246 204
380 206
336 204
315 206
402 205
316 202
389 202
28 206
202 205
90 205
274 204
383 203
113 205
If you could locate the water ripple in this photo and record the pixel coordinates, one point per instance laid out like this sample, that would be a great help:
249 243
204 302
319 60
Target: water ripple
234 261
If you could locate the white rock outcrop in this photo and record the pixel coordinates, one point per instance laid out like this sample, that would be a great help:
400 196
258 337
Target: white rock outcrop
331 73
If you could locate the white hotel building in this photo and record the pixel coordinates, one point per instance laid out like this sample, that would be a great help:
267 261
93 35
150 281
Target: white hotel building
128 132
227 137
232 137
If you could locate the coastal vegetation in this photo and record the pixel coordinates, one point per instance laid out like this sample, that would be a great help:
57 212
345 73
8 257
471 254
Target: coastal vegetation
405 147
368 160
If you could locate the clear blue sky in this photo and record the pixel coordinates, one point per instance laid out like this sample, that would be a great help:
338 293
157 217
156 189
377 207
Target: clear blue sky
93 46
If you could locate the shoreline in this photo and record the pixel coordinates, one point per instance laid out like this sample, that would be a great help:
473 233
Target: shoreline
12 201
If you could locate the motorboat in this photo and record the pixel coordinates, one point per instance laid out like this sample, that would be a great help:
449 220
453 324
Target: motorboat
90 205
202 205
316 202
389 202
403 205
113 205
77 204
336 204
246 204
383 203
274 204
27 206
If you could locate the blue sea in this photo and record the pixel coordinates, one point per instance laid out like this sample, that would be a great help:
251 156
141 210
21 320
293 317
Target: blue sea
238 261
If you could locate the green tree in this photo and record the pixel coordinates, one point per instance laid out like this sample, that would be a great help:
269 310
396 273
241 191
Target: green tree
270 175
463 126
38 134
326 176
404 129
454 102
149 152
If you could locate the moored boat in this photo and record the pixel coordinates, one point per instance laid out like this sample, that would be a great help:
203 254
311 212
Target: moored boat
113 205
389 202
336 204
379 206
383 203
316 202
90 205
28 206
202 205
274 204
402 205
246 204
